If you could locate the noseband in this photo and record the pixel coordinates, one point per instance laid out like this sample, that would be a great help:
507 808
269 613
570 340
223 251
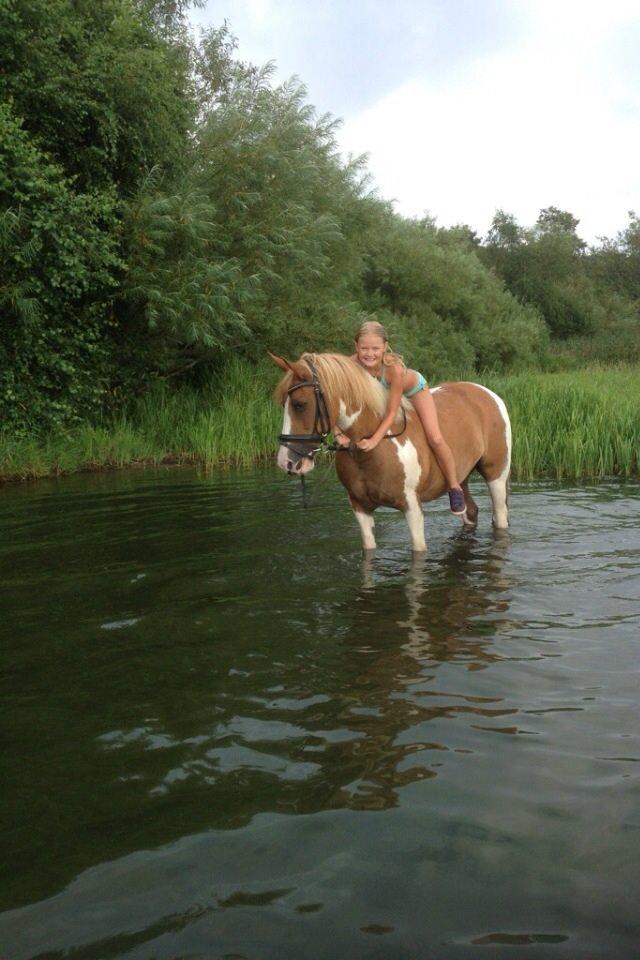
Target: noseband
321 421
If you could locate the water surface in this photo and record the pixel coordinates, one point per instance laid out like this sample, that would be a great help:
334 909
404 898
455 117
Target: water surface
228 736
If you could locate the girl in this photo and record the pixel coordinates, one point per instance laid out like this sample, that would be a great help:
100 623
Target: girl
373 353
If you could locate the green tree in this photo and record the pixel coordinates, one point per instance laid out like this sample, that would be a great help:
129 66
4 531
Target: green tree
544 267
455 315
59 270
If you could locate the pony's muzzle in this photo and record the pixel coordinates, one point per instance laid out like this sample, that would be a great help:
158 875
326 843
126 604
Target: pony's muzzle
296 465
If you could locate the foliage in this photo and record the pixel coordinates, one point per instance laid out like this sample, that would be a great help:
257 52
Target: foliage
60 264
97 88
583 295
261 244
166 209
453 315
92 97
571 425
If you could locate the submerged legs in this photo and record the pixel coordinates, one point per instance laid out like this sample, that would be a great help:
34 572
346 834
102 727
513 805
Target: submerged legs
498 491
470 516
366 524
415 521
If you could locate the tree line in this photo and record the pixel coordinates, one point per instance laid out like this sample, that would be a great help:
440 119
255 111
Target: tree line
165 207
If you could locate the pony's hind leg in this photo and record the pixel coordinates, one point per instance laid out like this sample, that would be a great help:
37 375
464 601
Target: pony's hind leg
499 498
495 466
498 484
366 524
470 516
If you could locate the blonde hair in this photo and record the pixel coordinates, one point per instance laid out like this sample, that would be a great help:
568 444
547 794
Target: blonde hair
376 329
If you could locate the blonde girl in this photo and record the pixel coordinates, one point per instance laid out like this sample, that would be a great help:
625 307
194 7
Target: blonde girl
373 353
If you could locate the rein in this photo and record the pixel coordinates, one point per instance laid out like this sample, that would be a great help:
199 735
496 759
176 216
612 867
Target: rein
321 428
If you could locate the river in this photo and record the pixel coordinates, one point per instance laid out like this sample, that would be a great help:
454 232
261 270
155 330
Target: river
228 736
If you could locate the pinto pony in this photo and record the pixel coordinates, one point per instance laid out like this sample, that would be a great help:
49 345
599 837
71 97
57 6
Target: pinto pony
323 389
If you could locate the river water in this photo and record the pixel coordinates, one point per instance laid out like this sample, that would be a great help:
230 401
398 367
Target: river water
228 736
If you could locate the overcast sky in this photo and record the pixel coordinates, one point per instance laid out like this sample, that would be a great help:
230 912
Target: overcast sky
464 106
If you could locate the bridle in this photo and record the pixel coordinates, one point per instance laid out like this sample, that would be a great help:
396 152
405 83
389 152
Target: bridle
321 420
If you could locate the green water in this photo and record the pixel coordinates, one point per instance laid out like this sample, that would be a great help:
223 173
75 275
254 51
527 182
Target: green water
225 736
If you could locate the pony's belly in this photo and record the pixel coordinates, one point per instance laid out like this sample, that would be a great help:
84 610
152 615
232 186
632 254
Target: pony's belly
372 480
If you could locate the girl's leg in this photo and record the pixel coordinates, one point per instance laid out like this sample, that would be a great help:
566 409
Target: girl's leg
426 410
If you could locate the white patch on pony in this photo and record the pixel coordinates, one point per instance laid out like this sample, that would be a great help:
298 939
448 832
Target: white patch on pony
499 402
498 487
367 525
283 453
346 420
408 457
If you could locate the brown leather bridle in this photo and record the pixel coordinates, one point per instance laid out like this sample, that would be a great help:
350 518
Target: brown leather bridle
321 420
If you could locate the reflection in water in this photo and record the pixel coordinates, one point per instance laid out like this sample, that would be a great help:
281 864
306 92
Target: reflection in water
227 738
438 614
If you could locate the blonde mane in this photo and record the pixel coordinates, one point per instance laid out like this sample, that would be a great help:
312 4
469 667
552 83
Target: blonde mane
341 378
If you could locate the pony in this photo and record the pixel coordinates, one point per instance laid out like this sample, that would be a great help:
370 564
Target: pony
323 389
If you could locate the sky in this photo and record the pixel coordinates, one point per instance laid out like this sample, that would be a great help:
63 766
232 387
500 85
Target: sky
464 107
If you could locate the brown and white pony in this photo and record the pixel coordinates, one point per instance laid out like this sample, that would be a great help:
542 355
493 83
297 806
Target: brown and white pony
323 389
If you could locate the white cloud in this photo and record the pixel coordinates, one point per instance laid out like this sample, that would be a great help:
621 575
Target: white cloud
549 122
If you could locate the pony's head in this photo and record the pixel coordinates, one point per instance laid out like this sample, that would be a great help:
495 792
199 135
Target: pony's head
306 419
318 391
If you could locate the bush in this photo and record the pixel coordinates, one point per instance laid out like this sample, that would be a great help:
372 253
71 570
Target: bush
60 268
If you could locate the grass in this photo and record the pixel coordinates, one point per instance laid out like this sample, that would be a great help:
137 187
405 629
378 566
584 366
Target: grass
574 425
571 425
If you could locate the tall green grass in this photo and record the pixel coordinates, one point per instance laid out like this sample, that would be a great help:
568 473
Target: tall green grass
574 425
570 425
232 419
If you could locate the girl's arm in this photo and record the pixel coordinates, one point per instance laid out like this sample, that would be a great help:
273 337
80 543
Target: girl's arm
341 438
395 378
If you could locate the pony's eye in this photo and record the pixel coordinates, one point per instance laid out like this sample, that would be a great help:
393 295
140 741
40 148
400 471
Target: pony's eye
299 405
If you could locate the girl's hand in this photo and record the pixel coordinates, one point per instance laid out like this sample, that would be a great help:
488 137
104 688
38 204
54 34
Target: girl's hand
369 443
341 438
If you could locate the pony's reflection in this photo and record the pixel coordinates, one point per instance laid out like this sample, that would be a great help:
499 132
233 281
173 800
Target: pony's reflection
447 611
441 615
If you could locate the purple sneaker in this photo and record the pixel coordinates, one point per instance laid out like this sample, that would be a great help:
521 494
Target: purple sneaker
456 502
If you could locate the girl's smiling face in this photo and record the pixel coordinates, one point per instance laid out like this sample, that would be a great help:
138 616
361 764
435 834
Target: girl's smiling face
370 349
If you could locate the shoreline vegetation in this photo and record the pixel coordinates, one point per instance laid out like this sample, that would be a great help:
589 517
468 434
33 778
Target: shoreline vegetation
576 425
169 212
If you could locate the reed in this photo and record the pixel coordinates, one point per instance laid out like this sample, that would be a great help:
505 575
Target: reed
231 420
574 425
571 425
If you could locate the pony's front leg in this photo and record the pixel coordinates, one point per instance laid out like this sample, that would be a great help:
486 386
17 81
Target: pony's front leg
415 520
366 523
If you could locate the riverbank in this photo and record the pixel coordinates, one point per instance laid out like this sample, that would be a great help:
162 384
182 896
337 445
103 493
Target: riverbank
571 425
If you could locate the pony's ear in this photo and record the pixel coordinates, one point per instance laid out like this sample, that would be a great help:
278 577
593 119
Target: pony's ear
280 362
